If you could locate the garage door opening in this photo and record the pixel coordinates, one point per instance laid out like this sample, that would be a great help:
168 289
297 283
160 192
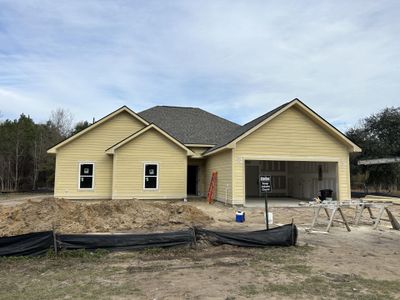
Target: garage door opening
292 181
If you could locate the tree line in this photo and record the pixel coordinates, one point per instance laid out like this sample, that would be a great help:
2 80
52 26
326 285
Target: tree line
24 162
379 137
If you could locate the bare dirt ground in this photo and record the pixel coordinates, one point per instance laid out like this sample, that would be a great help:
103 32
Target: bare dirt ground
361 264
67 216
17 198
363 251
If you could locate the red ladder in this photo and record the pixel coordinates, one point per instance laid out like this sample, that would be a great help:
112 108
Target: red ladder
211 188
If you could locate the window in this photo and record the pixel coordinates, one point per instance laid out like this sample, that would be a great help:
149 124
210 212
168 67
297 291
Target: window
86 175
150 176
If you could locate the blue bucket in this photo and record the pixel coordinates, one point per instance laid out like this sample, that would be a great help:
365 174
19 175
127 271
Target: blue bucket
240 216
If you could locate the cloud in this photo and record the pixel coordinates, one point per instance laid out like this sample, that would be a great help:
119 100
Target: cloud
237 59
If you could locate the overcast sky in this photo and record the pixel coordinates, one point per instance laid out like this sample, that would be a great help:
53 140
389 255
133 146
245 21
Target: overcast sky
237 59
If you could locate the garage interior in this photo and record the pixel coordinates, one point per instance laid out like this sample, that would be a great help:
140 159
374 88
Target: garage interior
291 180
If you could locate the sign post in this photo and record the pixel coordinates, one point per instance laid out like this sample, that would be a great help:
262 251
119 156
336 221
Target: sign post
266 188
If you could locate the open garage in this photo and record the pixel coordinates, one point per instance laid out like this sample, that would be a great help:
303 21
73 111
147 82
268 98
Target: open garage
297 180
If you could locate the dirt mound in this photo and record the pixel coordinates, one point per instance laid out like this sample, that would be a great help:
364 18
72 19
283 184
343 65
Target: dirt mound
102 216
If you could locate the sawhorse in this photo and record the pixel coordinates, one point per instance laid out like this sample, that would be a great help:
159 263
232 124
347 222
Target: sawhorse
376 220
335 207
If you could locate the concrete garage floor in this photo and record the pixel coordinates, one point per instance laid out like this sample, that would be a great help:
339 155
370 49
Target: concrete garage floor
273 202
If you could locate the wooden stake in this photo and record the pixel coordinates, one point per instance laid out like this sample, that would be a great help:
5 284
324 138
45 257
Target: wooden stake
316 213
344 219
378 219
393 221
361 210
331 220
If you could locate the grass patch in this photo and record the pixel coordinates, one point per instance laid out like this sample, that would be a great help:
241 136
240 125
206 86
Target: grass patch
279 255
249 290
299 269
278 272
328 286
77 274
80 253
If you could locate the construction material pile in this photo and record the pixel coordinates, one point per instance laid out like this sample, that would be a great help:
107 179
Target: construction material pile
102 216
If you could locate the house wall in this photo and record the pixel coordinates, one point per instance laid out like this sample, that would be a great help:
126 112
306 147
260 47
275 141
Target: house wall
291 136
91 147
129 161
221 163
198 151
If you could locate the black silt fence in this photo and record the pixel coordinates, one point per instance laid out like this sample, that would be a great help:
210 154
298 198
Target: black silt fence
27 244
118 242
40 242
285 235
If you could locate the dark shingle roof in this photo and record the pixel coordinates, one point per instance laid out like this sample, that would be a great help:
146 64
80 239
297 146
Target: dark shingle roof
242 129
190 125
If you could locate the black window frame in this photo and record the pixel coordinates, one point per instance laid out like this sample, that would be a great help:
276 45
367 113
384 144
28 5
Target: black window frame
80 175
156 176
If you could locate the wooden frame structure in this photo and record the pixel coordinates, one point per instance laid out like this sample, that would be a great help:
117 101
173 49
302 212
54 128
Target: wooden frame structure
360 206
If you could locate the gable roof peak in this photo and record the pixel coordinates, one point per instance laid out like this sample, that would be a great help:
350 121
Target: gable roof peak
111 150
123 108
257 122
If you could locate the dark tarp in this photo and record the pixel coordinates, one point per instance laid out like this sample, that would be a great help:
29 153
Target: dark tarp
124 241
285 235
40 242
26 244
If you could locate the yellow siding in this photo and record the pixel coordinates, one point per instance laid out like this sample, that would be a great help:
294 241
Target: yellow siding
91 147
198 151
290 136
221 163
129 161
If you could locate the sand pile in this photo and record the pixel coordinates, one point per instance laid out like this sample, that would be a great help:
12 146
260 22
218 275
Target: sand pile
103 216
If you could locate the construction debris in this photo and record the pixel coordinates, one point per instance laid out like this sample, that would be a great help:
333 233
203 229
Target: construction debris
360 206
333 206
383 206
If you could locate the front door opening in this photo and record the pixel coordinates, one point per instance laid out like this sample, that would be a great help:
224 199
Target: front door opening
192 177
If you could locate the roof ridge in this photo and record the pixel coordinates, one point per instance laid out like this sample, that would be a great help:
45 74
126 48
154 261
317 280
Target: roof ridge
191 107
176 106
268 112
219 117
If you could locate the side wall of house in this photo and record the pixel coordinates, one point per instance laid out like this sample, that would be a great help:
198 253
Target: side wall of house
150 147
91 147
221 163
291 136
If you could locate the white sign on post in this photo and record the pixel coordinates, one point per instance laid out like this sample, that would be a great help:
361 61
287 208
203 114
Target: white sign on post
265 182
266 187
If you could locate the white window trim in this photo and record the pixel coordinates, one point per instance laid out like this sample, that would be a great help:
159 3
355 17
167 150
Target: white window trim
79 176
157 176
